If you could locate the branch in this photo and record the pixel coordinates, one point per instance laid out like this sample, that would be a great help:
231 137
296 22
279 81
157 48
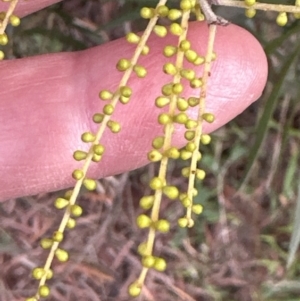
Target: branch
259 6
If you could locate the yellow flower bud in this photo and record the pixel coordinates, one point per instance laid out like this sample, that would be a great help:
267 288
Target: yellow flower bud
171 192
160 30
76 210
143 221
160 264
282 19
176 29
154 156
156 183
146 202
62 255
57 236
90 184
148 261
61 203
134 290
44 291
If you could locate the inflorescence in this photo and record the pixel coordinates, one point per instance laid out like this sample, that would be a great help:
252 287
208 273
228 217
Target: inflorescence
6 18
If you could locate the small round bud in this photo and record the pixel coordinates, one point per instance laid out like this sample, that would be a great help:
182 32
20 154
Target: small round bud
181 118
162 225
108 109
208 117
197 209
185 5
174 14
114 126
162 10
185 45
124 100
185 155
98 149
123 64
132 38
38 273
282 19
106 95
160 30
196 83
191 223
140 71
148 261
2 55
171 192
68 194
14 20
57 236
167 89
185 172
189 135
160 264
143 221
176 29
79 155
250 13
200 174
98 118
158 142
145 50
49 274
76 210
61 255
205 139
134 290
190 146
186 202
46 243
71 223
250 2
191 55
147 13
90 184
156 183
182 104
61 203
164 118
146 202
96 158
183 222
125 91
162 101
188 74
77 174
172 153
169 51
193 101
154 156
177 88
199 60
170 69
44 291
3 39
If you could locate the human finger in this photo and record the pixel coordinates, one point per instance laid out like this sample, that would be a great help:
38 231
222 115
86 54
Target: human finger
47 102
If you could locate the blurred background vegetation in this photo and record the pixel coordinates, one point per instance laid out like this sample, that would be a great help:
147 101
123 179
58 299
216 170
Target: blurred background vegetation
240 245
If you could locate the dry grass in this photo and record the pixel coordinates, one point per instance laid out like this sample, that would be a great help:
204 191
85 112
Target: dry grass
236 251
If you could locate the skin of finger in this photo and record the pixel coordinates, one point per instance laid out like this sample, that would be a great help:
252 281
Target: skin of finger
25 8
47 102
